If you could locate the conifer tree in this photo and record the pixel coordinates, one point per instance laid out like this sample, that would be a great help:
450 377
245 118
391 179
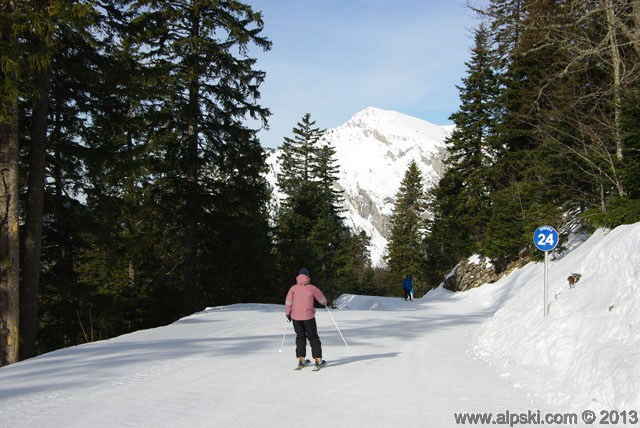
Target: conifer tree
299 155
66 304
630 123
126 261
521 164
404 254
557 143
206 87
355 274
598 47
311 230
56 24
299 211
9 153
460 202
139 107
326 170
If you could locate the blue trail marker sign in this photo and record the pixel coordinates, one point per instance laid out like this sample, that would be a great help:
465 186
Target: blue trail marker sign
545 238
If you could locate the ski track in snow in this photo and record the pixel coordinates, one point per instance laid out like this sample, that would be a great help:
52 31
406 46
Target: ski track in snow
409 365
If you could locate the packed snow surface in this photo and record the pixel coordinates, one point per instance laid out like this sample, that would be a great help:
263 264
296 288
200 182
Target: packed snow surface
409 364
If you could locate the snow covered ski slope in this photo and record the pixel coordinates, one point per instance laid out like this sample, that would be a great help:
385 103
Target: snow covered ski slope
410 364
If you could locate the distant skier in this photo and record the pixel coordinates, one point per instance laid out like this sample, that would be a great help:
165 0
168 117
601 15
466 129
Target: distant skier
299 308
407 285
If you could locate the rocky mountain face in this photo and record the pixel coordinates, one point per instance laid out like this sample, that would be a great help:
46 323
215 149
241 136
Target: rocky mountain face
373 150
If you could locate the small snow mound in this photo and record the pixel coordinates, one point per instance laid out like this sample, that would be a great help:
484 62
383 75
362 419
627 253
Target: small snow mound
369 303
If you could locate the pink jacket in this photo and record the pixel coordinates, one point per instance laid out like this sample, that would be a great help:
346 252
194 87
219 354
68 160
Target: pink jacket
299 301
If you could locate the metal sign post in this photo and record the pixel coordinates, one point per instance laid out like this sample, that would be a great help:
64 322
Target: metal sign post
545 238
546 283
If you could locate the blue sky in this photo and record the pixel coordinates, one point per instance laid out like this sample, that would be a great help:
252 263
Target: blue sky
333 58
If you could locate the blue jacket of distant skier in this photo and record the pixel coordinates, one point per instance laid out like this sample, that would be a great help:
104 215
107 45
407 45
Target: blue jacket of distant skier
407 284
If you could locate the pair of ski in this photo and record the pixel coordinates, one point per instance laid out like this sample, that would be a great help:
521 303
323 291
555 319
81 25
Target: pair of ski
308 363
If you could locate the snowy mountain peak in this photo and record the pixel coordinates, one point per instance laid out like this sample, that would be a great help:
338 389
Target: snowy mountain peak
392 124
374 149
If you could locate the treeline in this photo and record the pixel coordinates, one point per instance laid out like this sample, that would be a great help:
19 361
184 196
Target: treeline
547 133
139 183
133 191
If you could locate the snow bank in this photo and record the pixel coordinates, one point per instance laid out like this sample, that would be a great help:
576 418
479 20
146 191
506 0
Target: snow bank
369 303
590 340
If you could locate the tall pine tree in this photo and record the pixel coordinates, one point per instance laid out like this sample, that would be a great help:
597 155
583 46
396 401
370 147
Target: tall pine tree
298 213
206 89
404 251
56 26
460 202
311 230
521 165
9 233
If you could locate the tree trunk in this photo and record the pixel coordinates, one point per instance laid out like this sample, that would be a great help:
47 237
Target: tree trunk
64 250
29 291
616 63
9 229
192 205
635 32
9 242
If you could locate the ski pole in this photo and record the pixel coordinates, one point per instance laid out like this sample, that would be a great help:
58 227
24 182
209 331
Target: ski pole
338 328
283 337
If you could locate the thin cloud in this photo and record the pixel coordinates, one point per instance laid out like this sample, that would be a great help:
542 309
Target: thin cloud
352 7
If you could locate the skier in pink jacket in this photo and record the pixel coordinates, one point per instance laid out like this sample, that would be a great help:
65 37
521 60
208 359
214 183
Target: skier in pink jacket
299 308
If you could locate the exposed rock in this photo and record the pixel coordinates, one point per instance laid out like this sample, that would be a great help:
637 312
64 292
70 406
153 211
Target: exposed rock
470 273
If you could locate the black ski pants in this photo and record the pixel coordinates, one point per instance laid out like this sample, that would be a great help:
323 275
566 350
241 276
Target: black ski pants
307 329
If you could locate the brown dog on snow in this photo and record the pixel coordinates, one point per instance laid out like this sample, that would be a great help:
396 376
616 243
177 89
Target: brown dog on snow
573 279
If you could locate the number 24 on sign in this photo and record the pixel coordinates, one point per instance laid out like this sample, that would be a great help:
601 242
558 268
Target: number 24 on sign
546 240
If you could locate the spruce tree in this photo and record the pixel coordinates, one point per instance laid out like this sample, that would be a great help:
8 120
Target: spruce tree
522 169
299 155
404 254
311 230
299 211
125 260
341 252
206 88
56 25
67 305
630 123
9 152
460 202
355 274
